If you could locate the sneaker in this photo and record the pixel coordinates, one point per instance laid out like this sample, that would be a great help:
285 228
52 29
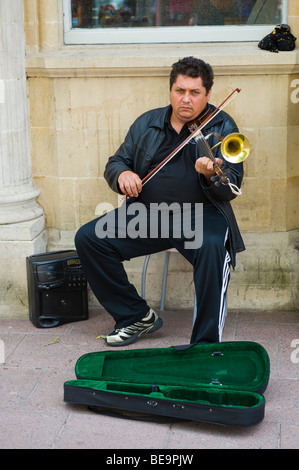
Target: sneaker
129 334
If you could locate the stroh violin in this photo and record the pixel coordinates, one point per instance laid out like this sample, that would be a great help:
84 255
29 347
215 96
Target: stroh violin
235 147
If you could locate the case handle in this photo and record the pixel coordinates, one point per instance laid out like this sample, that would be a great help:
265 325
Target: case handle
217 353
215 382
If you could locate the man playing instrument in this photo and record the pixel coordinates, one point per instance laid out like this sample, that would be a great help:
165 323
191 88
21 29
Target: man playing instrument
188 179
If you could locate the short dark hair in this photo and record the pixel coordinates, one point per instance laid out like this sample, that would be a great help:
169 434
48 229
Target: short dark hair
192 67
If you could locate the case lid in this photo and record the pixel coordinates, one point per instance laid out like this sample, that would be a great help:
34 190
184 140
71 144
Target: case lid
239 365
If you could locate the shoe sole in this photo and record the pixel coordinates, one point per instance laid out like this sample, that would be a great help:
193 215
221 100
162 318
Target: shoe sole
156 326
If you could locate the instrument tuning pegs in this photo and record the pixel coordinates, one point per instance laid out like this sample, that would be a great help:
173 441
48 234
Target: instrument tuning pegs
216 180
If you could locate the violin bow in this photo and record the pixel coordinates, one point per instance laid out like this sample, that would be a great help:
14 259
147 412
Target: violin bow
214 113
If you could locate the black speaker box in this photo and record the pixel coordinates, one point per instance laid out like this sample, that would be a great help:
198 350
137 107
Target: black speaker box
57 289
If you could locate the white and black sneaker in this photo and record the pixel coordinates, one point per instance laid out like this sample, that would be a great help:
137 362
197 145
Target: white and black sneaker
128 334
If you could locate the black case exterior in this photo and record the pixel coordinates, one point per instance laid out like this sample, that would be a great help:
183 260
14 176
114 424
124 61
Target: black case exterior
99 392
180 409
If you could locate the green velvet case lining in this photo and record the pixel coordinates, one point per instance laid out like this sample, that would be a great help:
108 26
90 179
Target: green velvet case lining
239 365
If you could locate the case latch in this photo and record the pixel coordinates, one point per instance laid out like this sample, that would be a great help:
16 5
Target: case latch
215 382
152 403
217 353
178 406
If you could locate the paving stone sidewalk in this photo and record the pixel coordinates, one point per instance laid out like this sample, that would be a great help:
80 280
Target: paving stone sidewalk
33 414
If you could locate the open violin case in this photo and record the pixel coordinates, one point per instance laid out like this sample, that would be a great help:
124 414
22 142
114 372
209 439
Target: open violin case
218 383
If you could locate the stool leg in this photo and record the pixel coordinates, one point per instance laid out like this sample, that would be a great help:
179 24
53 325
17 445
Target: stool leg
143 276
164 280
194 310
226 305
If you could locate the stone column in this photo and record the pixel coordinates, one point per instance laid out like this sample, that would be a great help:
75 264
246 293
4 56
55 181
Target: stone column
21 217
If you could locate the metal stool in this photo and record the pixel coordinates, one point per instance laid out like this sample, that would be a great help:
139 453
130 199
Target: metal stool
164 280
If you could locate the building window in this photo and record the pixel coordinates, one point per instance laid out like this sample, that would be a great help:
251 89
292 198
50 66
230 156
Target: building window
160 21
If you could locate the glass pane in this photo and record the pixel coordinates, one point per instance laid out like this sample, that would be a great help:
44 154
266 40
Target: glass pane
151 13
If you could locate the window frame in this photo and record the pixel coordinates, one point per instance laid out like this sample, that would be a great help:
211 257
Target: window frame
164 34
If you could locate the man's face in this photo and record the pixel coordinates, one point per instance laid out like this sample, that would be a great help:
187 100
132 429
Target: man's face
188 98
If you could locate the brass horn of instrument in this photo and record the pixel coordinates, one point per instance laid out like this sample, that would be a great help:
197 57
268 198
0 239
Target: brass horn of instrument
235 147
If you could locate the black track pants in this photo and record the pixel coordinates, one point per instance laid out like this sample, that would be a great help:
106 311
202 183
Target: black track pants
102 260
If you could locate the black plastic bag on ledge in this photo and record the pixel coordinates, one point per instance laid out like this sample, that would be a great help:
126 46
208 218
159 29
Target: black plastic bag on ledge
281 39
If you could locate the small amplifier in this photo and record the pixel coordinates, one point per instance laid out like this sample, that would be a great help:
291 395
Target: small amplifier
57 289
